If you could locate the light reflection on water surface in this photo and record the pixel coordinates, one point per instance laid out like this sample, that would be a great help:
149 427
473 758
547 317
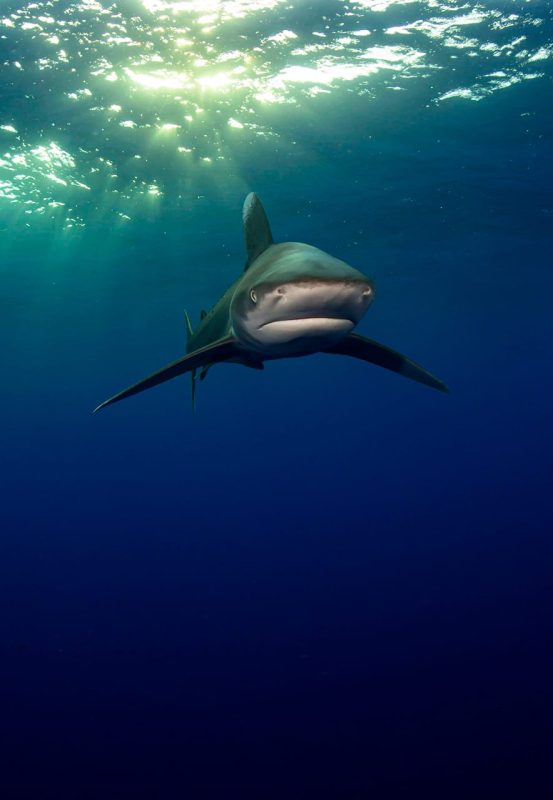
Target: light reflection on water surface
116 99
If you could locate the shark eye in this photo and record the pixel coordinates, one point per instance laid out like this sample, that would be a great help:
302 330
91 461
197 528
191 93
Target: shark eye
253 296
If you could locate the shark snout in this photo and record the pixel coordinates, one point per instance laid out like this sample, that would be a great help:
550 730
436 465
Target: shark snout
320 299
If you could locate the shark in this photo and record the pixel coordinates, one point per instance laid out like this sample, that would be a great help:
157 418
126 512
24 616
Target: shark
291 300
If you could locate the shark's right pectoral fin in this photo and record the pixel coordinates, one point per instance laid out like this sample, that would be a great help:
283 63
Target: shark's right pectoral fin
367 350
221 350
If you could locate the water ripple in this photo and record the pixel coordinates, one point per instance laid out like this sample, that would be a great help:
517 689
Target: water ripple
113 99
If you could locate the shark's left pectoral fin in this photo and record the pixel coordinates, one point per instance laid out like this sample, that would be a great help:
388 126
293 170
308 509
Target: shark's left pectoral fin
222 350
367 350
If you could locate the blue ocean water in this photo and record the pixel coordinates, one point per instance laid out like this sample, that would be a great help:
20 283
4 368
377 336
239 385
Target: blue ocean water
328 582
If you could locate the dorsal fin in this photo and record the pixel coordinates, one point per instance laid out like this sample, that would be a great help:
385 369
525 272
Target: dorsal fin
257 232
203 314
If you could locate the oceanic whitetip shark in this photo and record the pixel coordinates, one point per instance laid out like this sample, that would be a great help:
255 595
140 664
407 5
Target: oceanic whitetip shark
291 300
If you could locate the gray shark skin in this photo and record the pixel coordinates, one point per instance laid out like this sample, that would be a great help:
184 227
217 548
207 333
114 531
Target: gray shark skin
291 300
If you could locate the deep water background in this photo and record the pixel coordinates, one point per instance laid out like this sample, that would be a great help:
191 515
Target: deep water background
329 582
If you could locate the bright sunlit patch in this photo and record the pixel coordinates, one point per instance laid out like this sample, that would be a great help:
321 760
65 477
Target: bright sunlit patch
163 79
401 56
219 81
330 71
541 54
56 179
38 178
91 5
283 36
384 5
464 94
436 27
211 11
54 155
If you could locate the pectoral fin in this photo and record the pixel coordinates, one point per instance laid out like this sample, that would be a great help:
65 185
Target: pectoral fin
375 353
221 350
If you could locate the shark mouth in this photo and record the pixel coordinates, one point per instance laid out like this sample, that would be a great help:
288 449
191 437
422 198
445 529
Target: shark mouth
309 333
308 323
297 335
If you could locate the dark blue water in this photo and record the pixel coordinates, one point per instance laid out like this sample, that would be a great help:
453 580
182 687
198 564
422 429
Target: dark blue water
329 582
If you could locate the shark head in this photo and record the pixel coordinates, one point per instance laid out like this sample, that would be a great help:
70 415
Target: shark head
297 299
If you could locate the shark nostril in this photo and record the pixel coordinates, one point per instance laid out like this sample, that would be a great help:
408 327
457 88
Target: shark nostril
253 296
